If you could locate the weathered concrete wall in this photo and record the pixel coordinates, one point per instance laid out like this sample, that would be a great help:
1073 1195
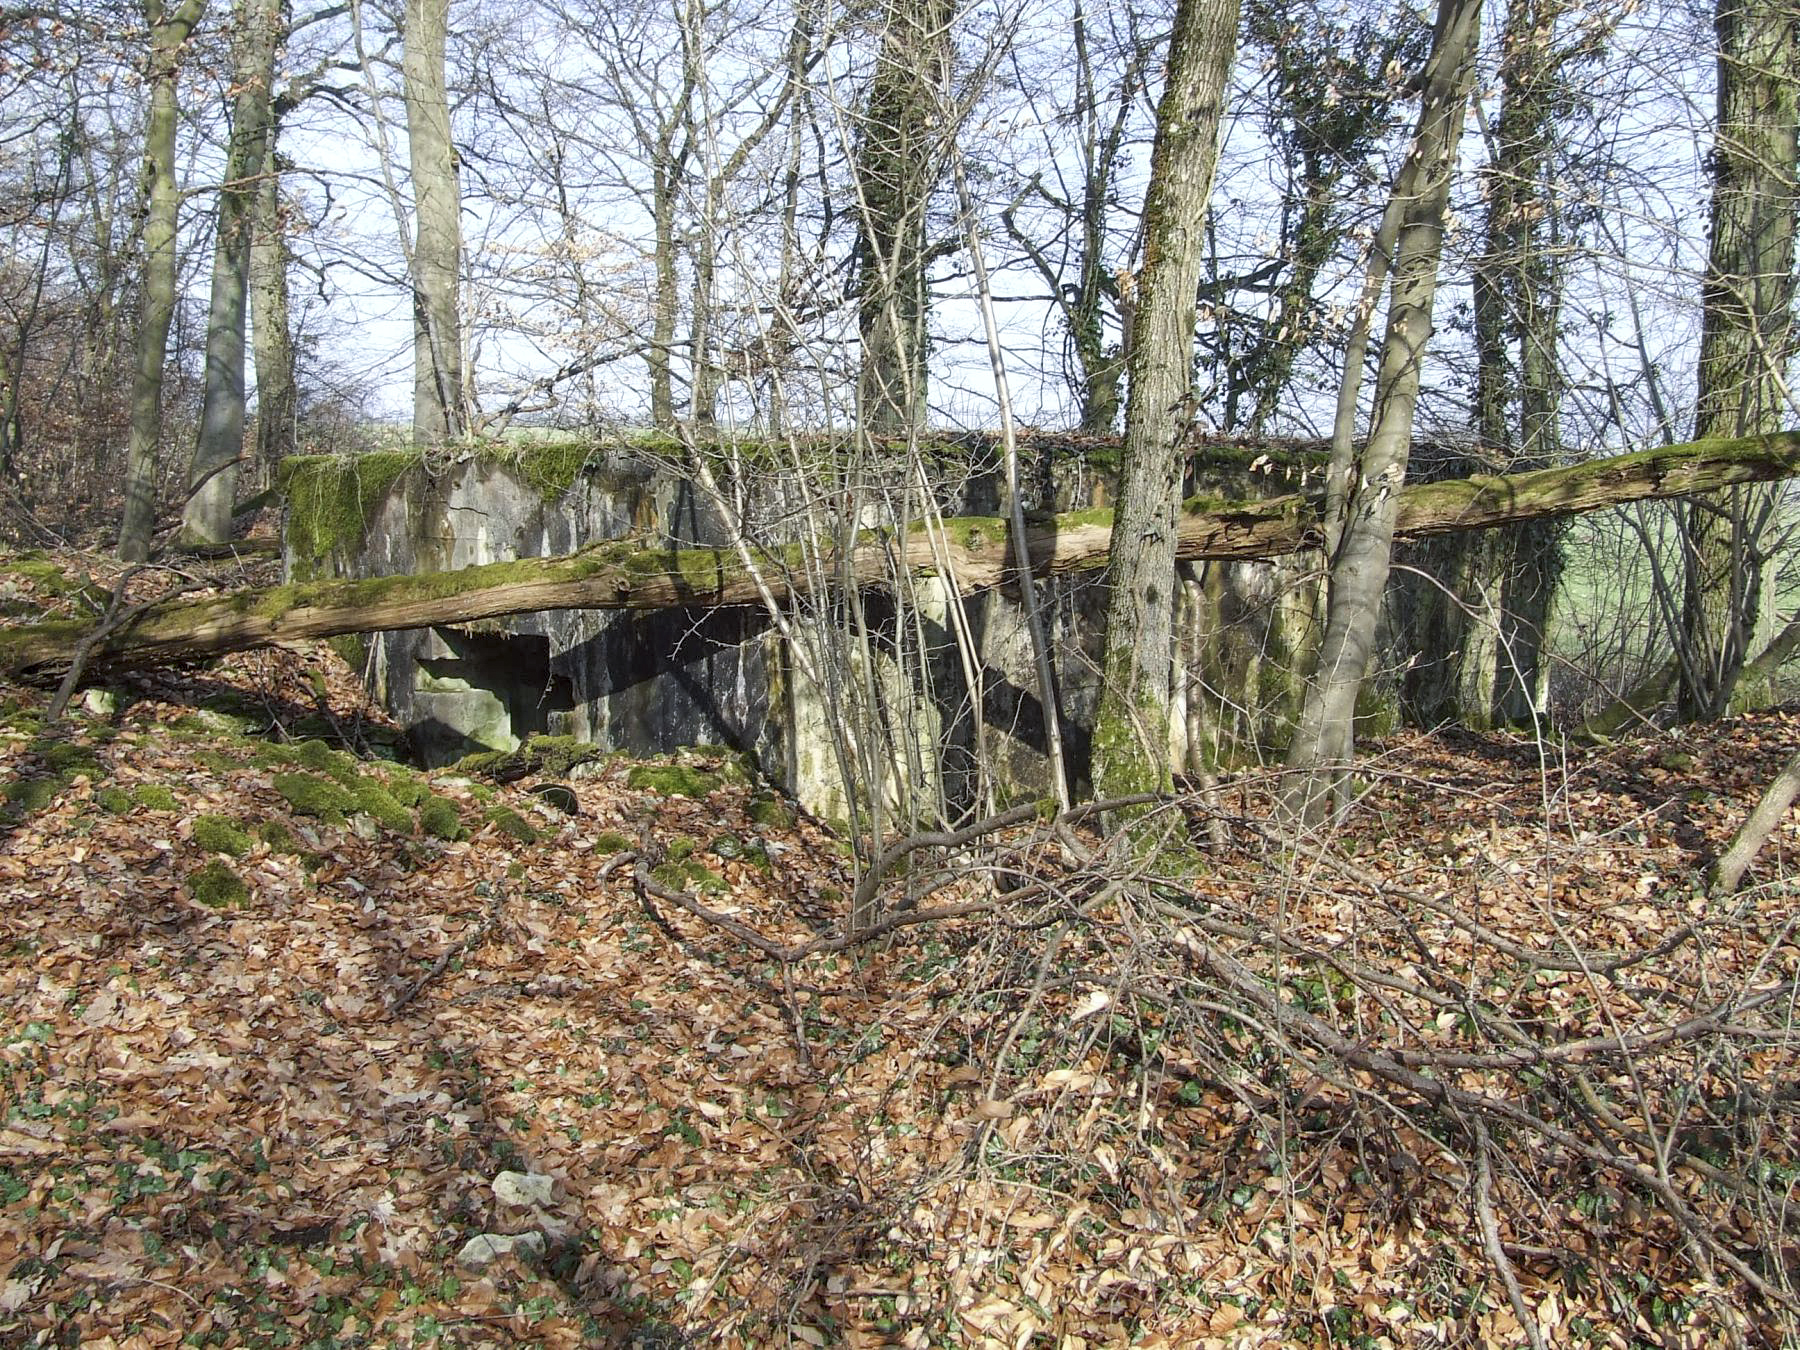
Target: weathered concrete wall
907 711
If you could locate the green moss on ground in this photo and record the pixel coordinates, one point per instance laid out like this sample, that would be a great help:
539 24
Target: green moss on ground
672 780
69 758
278 837
440 819
221 834
154 797
332 499
374 800
556 756
217 761
550 756
690 874
492 764
49 579
321 758
218 887
114 800
34 794
770 812
217 722
611 841
509 822
310 795
352 649
405 787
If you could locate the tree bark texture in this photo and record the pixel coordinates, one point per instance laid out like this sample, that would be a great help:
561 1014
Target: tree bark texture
977 554
899 161
1324 737
1518 398
160 201
1728 872
277 393
1746 333
213 473
439 414
1131 725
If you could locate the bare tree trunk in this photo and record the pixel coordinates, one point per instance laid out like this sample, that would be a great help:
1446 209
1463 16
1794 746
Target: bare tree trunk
212 476
439 413
161 198
1747 331
1324 738
1518 300
898 164
1131 747
277 395
1770 811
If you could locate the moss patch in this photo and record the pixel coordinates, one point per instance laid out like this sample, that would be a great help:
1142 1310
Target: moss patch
550 756
48 579
218 887
154 797
310 795
112 799
440 819
374 800
34 794
770 812
333 498
549 467
689 875
510 823
688 780
352 649
406 788
70 758
221 834
611 841
321 758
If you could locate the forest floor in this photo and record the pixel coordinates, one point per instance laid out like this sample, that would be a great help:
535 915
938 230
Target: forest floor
293 1033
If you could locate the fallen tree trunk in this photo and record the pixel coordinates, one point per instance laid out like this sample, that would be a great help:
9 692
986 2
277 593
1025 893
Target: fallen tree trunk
627 574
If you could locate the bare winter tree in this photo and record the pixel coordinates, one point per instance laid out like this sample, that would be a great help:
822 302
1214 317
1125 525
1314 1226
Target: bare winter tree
1362 528
440 412
212 478
169 29
900 158
1066 217
1746 336
1131 734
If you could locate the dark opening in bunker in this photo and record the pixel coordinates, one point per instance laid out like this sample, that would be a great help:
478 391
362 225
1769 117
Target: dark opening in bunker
486 691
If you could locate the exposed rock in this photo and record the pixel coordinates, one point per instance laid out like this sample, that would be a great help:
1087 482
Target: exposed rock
484 1249
528 1190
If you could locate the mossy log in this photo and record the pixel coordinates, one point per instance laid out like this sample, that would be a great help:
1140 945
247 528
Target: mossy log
625 574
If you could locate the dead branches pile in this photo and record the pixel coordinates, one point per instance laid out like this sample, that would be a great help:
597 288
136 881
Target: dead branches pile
1571 1069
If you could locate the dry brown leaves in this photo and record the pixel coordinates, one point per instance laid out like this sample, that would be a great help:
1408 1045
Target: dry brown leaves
216 1132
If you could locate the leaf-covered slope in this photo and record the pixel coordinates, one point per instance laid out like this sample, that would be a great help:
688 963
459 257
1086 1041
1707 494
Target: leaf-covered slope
280 1115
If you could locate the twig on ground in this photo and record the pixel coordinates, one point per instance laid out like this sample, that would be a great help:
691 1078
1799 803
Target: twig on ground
473 939
1490 1239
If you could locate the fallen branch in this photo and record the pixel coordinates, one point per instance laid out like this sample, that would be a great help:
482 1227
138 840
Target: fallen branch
626 574
473 939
